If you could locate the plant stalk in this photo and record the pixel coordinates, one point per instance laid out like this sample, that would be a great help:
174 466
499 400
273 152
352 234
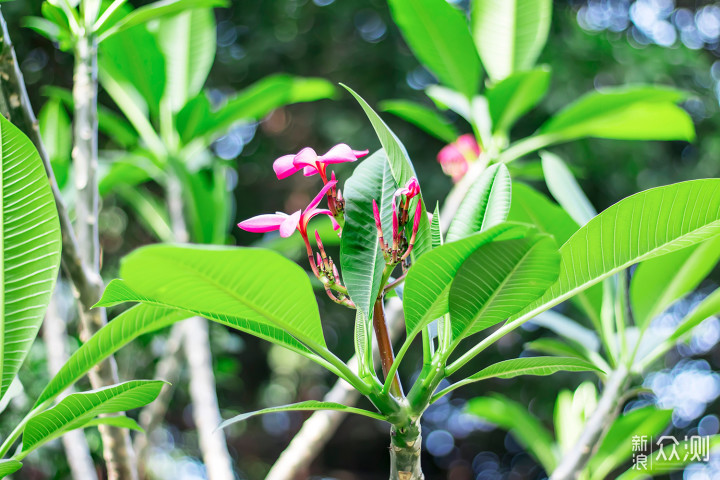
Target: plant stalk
575 461
405 450
387 357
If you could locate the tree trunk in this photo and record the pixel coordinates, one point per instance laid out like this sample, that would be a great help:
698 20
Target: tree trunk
117 449
405 450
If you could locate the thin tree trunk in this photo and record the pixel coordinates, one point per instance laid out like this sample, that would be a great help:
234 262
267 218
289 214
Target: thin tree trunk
117 451
74 442
575 460
319 428
405 450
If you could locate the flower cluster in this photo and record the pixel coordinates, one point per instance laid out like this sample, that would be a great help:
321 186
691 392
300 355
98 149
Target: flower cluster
310 163
456 157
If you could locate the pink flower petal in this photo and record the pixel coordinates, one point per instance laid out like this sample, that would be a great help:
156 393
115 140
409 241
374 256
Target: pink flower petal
341 153
289 225
284 167
305 158
309 171
315 201
468 145
263 223
411 189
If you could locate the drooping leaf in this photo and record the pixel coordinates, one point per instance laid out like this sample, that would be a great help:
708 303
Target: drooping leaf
615 449
307 406
75 410
568 328
422 117
446 98
439 36
707 308
645 225
154 11
499 279
187 41
624 113
538 366
565 189
428 282
9 466
558 348
527 429
401 167
127 326
56 132
198 119
514 96
510 34
486 204
659 282
119 422
30 248
227 284
360 256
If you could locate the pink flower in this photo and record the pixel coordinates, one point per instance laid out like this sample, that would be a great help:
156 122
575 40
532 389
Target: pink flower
311 163
410 190
455 157
287 224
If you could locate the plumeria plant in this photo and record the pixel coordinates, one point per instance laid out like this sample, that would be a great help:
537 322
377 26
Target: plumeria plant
489 269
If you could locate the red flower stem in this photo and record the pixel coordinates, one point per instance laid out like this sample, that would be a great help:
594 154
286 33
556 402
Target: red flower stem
387 357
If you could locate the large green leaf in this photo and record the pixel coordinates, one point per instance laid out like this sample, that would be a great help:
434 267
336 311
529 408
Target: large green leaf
659 282
360 256
645 225
486 204
188 42
625 113
425 296
565 189
400 166
141 75
127 326
499 279
422 117
538 366
198 119
516 418
30 248
513 97
439 36
154 11
509 34
75 410
226 283
306 406
9 466
615 447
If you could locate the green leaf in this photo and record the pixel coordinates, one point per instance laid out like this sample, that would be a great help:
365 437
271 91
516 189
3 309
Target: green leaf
645 225
624 113
516 418
360 256
510 34
659 282
119 422
248 288
707 308
422 117
188 42
124 328
140 75
568 328
401 168
538 366
154 11
309 405
56 133
616 447
436 228
439 36
557 348
197 119
514 96
662 462
499 279
446 98
425 296
565 189
9 466
485 205
75 410
572 411
30 248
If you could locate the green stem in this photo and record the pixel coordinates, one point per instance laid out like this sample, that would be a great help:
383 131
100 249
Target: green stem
405 450
527 145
